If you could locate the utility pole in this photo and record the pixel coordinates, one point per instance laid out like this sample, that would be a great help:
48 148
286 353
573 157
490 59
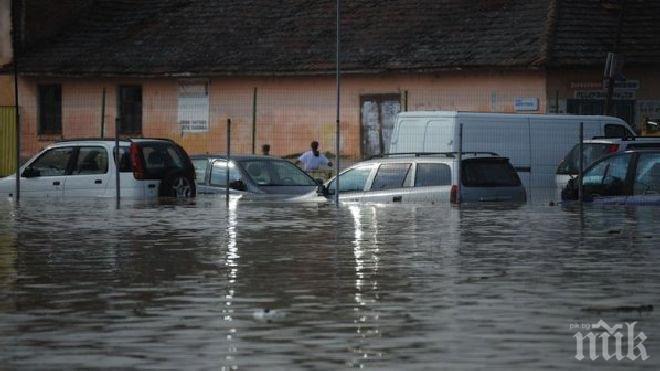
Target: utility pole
613 63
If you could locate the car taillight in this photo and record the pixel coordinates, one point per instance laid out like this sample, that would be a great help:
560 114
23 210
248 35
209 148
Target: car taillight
136 161
612 148
453 196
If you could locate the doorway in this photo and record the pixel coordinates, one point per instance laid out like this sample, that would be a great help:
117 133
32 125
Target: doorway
377 117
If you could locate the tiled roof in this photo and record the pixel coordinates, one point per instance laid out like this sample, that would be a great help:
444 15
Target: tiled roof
247 37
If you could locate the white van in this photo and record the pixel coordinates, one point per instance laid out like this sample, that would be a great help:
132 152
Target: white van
534 143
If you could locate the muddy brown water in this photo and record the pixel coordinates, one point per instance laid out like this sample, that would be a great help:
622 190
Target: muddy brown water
277 286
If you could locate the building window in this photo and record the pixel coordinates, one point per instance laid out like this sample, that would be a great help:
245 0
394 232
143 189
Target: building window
130 110
50 109
193 106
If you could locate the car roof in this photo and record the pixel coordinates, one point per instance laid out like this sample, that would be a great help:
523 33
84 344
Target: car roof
428 157
65 142
603 140
239 157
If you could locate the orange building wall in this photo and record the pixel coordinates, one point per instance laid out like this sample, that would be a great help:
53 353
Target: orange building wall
291 111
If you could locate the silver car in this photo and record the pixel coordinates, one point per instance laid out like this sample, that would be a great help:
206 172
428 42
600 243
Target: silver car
252 176
428 178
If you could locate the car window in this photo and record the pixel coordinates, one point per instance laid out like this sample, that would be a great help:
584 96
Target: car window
489 172
647 175
632 146
200 169
615 131
389 176
219 173
592 153
428 175
352 180
124 159
608 176
91 160
161 158
276 173
53 162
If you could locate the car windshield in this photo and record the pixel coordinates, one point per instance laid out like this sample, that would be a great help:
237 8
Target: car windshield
495 172
592 153
276 173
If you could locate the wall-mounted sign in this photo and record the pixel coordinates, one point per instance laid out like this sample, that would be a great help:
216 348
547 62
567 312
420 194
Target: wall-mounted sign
193 106
626 84
602 94
526 104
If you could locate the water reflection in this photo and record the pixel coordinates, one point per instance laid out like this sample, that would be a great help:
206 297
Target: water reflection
177 286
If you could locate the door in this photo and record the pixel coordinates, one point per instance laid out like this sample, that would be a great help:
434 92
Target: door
352 183
431 184
378 116
89 175
390 184
606 181
646 184
47 174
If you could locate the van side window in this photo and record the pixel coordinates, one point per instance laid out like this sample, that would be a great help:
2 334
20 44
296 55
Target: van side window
390 176
91 160
615 131
428 175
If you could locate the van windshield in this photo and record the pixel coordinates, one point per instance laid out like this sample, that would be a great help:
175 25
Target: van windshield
489 172
592 152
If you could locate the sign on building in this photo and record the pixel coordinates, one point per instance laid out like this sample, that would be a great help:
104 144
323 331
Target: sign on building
193 106
526 104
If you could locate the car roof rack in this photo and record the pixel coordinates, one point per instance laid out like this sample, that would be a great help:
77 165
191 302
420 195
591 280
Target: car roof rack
91 139
626 137
419 154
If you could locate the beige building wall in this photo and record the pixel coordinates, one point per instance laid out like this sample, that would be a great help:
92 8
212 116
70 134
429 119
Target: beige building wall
290 112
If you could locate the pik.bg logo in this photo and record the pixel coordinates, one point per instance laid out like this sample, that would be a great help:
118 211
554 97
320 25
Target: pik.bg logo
610 341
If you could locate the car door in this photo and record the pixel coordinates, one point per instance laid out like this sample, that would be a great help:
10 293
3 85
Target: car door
46 175
352 183
89 174
218 178
391 182
646 183
431 184
607 180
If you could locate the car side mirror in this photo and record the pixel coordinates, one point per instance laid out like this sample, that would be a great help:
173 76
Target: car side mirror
322 190
238 185
30 172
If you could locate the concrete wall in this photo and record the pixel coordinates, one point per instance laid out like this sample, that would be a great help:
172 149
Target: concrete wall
291 112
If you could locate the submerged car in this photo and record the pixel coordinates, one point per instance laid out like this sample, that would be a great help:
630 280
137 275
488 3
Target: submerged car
82 168
251 175
625 178
429 178
595 149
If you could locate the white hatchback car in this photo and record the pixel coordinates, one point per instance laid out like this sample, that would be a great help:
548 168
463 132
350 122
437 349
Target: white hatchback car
428 178
81 168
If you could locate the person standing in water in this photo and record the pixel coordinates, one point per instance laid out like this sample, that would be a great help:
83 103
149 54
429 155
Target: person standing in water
311 160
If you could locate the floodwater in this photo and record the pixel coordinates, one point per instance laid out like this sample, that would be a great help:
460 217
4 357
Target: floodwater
202 286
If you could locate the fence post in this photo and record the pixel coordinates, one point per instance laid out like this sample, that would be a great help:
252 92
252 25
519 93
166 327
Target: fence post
103 114
459 159
117 162
254 119
581 165
338 76
228 160
15 49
